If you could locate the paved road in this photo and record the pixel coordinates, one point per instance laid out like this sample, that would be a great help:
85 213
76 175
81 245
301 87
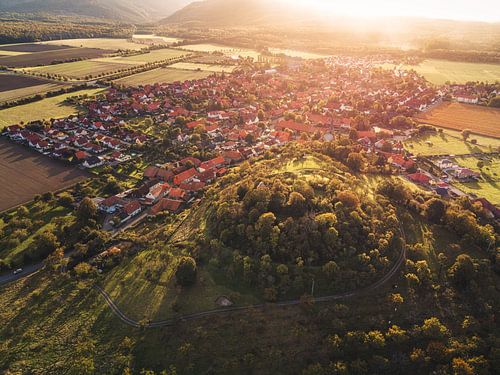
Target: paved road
27 271
170 322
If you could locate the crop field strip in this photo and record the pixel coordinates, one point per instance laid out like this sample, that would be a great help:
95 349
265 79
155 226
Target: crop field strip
457 116
204 67
47 57
47 108
162 75
107 65
100 43
24 92
227 50
31 47
26 173
13 82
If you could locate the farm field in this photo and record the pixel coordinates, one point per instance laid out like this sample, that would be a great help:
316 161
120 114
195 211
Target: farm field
46 58
441 71
100 43
30 47
441 144
203 67
295 53
459 116
53 107
79 70
13 82
26 173
9 95
229 51
162 75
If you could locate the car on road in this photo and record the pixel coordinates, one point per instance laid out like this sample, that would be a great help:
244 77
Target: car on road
18 271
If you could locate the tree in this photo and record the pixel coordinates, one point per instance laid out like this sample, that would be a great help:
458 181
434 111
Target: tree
462 271
296 204
494 102
480 164
44 244
435 210
466 134
355 161
87 210
83 270
461 367
330 269
432 328
66 200
186 271
348 199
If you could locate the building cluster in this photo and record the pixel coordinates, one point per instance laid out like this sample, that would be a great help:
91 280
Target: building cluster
81 140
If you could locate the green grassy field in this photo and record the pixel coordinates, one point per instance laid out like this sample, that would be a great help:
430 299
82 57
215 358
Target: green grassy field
144 58
162 75
441 71
44 109
441 144
490 142
203 67
229 51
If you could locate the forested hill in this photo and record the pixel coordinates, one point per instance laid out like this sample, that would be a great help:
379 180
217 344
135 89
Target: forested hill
123 10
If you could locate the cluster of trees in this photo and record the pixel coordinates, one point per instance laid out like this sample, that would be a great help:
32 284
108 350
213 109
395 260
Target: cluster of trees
22 30
280 232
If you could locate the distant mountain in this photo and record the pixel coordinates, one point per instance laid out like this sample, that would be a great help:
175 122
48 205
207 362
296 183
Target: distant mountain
240 12
124 10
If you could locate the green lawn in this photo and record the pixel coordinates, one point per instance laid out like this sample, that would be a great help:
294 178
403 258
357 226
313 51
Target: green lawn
441 71
482 140
483 189
44 109
441 144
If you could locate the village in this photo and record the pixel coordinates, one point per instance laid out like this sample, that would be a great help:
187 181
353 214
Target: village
232 118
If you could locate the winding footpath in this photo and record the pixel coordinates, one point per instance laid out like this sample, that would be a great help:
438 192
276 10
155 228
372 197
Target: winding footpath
189 317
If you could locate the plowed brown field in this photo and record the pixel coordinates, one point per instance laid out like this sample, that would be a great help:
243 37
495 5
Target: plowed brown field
458 116
25 173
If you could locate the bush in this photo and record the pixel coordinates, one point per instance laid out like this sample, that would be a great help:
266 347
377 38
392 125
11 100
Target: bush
186 271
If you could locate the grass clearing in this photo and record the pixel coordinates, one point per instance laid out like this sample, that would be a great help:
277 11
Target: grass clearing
482 189
162 75
44 109
81 69
24 92
441 144
442 71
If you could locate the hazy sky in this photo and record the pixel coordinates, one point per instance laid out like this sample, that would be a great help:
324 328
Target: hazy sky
478 10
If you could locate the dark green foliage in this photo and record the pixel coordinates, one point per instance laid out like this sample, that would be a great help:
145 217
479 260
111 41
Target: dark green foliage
186 271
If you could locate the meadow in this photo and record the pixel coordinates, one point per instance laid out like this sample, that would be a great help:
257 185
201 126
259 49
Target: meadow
459 116
442 71
162 75
47 108
441 144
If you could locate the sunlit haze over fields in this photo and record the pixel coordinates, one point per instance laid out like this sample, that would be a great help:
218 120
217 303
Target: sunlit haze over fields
485 10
